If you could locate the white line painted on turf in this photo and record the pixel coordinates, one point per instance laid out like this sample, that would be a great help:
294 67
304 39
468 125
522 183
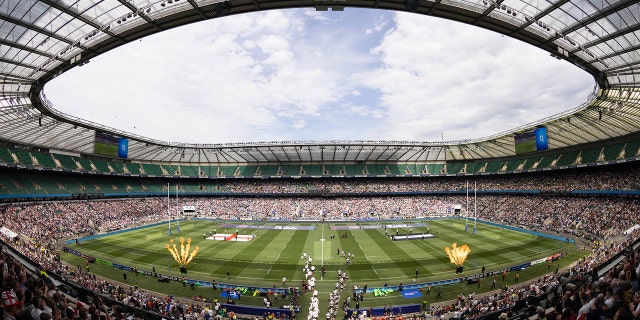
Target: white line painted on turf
365 255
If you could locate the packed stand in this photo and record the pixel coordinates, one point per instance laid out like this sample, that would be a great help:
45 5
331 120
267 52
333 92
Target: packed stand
593 218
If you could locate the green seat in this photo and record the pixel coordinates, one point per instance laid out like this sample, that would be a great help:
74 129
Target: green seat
210 171
435 168
23 157
152 169
133 168
376 169
546 161
613 152
567 158
117 166
101 165
266 170
632 149
227 171
532 163
247 171
189 170
333 169
44 159
5 156
170 170
66 162
454 167
293 170
85 164
355 169
313 170
516 164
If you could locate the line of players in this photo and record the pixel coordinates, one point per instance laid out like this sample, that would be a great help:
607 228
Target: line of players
334 296
310 282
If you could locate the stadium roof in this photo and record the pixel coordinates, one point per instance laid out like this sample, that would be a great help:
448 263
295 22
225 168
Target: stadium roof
40 39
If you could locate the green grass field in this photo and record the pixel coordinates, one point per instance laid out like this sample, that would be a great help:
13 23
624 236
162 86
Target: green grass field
273 254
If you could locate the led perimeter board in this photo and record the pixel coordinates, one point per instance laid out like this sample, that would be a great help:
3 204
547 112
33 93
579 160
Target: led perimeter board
531 141
109 145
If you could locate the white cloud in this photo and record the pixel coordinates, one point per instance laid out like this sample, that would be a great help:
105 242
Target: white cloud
440 77
365 111
299 124
380 24
316 15
361 74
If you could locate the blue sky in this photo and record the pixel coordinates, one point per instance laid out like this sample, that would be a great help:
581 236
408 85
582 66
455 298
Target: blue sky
299 74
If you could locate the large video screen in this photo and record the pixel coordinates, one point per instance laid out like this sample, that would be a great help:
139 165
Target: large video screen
110 145
532 141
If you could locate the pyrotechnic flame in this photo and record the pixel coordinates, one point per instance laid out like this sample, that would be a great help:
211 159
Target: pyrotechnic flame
457 255
183 257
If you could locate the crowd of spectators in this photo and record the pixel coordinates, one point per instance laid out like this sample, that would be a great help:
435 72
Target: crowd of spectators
591 218
586 217
619 177
41 226
566 294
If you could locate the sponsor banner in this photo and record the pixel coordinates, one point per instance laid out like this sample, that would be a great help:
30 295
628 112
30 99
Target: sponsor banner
74 252
267 227
199 283
119 266
409 294
520 266
146 273
105 262
534 262
294 227
412 236
345 228
399 225
371 227
252 290
230 295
